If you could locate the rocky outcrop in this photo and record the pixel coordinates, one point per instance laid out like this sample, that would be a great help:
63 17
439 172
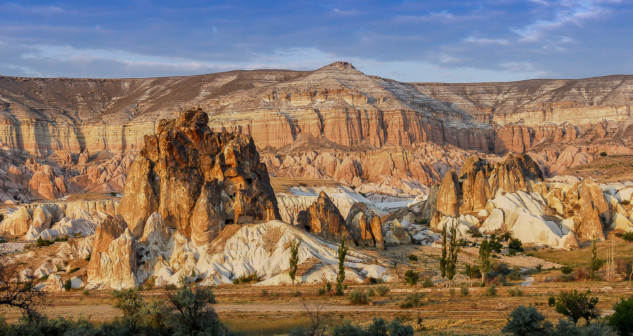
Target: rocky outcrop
365 226
183 188
62 218
197 180
322 218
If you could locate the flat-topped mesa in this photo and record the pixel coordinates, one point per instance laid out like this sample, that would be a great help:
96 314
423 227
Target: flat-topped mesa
197 180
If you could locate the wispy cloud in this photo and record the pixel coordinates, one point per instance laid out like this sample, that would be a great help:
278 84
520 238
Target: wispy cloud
568 12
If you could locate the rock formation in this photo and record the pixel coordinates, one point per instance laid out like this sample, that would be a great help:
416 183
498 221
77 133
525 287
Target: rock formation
323 218
197 180
365 226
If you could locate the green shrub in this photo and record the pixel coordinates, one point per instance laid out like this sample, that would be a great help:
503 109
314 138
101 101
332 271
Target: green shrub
412 300
565 327
321 291
515 244
170 287
413 257
566 269
68 285
358 297
526 321
382 290
515 292
88 257
297 294
371 292
464 290
551 301
43 242
628 236
244 279
622 318
411 277
603 154
75 269
427 283
472 271
491 291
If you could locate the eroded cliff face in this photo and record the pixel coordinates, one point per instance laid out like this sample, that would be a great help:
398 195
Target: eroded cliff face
335 108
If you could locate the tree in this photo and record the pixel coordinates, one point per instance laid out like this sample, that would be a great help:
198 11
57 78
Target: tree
577 305
484 259
595 262
20 292
622 318
451 262
340 277
294 258
411 277
443 257
526 321
194 314
131 304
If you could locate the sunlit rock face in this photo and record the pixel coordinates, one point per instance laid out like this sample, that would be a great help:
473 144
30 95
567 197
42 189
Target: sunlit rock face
197 180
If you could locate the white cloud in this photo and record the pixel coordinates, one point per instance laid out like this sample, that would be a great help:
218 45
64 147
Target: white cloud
486 41
569 12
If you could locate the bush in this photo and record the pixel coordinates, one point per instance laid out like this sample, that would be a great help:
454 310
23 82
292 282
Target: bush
526 321
170 287
43 242
68 285
244 279
515 292
321 291
472 271
577 305
427 283
622 318
628 236
551 301
358 297
413 257
379 327
566 269
603 154
565 327
382 290
464 290
371 292
491 291
515 244
411 277
412 300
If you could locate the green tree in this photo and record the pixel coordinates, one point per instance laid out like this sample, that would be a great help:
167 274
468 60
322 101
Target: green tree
527 321
484 259
451 261
194 314
622 318
595 262
130 302
443 257
340 277
577 305
294 258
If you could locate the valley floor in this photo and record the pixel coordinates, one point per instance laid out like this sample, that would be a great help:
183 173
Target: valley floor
273 310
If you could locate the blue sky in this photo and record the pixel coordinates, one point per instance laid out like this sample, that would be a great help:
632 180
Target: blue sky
443 41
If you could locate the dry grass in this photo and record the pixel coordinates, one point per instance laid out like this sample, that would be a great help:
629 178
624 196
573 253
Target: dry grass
606 169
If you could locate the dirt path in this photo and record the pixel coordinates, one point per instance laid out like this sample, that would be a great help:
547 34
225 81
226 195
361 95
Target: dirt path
107 312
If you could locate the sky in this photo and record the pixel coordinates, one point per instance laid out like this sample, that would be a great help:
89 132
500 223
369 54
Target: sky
411 41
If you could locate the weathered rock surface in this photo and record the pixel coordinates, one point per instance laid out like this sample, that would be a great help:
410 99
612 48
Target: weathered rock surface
197 180
365 226
324 219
